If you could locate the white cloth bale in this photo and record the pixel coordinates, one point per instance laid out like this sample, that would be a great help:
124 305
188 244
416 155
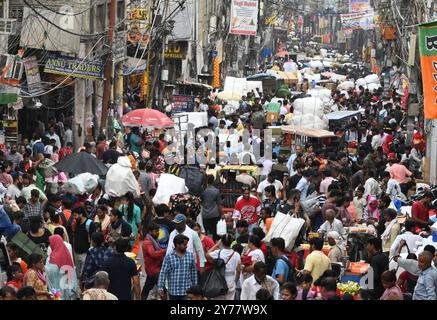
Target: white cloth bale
346 85
373 86
361 82
308 121
316 64
309 105
168 185
372 78
338 77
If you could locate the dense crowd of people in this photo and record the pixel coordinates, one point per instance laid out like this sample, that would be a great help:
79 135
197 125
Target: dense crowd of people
93 246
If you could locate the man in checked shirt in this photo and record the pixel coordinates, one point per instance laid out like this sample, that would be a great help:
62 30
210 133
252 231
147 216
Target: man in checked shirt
179 269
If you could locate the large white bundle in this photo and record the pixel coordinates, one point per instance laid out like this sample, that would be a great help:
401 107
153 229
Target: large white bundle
372 78
316 64
323 52
308 121
338 77
285 227
327 64
346 85
120 179
168 185
373 86
361 82
82 183
320 92
311 77
309 105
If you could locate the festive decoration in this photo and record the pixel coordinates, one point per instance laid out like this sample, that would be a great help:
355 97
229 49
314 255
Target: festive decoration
216 80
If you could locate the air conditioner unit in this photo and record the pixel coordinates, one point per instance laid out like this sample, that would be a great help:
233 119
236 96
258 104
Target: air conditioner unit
17 71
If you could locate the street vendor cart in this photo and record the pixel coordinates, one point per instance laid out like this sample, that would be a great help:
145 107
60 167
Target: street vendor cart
299 136
342 118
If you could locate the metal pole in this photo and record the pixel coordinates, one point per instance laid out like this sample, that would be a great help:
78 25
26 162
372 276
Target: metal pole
108 72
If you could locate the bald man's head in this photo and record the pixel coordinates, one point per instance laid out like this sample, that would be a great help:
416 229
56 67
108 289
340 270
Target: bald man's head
425 259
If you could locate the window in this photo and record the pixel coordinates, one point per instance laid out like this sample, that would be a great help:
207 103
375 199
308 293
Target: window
8 26
121 12
101 18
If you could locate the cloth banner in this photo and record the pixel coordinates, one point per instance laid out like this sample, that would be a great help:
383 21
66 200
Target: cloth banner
428 60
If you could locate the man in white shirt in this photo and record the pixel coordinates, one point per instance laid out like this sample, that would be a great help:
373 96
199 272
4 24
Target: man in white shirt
298 149
371 186
259 280
270 181
413 241
332 224
379 139
393 187
194 242
52 135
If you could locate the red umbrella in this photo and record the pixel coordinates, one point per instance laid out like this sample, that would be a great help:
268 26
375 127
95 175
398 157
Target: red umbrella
149 118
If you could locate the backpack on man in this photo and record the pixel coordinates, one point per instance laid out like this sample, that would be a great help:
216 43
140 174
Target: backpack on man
215 284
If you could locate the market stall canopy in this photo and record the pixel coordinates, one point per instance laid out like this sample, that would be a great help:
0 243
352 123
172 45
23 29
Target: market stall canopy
147 118
82 162
261 76
341 115
311 133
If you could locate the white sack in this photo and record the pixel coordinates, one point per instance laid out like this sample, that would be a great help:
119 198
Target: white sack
82 183
285 227
309 105
372 78
168 185
338 77
316 64
361 82
120 179
308 121
373 86
346 85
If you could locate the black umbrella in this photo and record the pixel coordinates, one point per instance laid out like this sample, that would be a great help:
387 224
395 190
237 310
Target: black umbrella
82 162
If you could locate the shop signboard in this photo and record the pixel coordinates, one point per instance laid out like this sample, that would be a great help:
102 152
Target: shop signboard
72 67
33 78
183 103
244 17
359 5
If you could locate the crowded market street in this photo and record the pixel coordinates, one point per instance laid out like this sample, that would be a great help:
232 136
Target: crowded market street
286 151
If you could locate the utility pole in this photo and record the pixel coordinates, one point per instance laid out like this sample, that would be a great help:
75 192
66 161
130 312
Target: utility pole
108 66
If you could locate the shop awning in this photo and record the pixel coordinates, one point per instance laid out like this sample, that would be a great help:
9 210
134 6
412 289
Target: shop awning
194 84
308 132
341 115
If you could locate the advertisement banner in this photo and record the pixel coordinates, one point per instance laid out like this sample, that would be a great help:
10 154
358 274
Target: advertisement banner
76 68
137 22
360 20
428 60
244 17
33 78
183 103
359 5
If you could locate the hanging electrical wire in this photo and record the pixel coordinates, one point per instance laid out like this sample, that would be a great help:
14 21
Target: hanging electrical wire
68 76
91 35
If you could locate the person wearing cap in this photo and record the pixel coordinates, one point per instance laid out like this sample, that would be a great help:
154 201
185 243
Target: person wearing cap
194 242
